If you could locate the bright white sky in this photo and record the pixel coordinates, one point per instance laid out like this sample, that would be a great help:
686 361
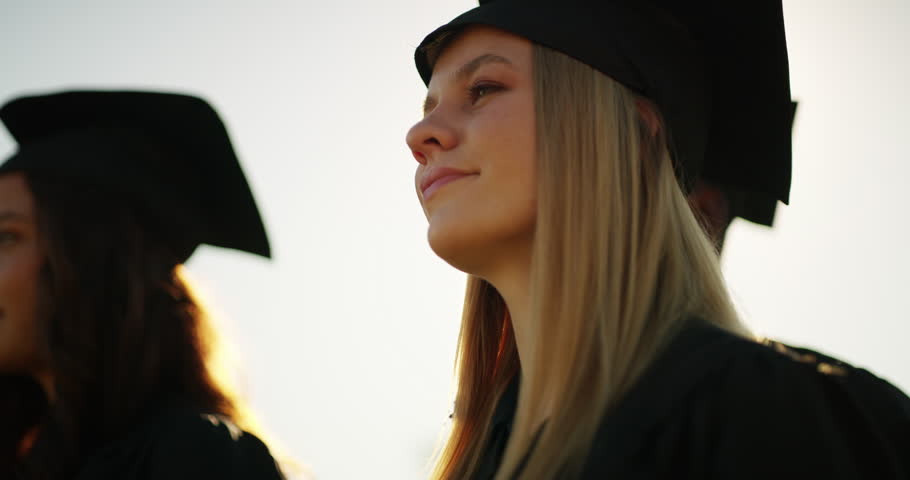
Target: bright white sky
347 338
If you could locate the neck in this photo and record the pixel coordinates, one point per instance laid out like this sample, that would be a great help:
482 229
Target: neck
512 279
514 285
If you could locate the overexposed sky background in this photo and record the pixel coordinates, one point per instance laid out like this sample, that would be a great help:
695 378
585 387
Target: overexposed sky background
346 339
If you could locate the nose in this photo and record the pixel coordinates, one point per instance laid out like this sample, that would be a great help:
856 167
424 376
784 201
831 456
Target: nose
430 136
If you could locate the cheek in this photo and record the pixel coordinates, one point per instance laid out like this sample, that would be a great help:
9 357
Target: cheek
18 313
507 191
510 151
495 212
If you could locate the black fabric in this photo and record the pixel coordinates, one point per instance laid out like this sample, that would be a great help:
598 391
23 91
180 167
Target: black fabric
168 153
500 431
715 406
756 207
718 71
182 444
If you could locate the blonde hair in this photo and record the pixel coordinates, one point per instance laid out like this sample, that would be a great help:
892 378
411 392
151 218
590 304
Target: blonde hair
619 263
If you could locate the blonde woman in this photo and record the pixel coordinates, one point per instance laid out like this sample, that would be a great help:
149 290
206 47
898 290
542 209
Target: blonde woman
598 340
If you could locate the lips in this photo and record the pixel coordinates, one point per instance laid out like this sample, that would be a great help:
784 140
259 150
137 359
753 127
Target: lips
436 178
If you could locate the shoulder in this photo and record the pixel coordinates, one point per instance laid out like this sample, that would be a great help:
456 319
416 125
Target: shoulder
180 443
188 444
778 383
189 429
722 406
767 409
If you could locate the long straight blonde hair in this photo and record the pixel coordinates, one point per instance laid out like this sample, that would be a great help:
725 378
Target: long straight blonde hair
619 263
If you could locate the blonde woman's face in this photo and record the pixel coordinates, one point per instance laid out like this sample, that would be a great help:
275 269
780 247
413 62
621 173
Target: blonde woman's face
475 149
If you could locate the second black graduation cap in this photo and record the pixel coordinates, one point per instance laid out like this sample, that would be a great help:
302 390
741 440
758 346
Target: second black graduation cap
170 153
758 207
718 71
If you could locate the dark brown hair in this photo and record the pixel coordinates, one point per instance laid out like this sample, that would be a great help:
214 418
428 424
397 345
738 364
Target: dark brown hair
123 334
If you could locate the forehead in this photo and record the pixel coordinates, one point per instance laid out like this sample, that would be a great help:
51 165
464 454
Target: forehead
475 41
14 193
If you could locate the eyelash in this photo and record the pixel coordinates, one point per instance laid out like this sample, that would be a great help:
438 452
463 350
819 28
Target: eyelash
6 237
475 92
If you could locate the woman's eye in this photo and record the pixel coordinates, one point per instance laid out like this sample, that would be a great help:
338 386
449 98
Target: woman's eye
481 90
7 238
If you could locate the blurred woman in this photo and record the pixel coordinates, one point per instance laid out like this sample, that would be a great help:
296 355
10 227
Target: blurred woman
105 354
598 340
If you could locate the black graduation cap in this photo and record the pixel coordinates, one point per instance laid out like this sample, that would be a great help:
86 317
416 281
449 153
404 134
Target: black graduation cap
170 153
757 207
717 70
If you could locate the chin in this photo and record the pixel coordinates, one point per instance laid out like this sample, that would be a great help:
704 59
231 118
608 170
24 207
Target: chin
475 247
457 250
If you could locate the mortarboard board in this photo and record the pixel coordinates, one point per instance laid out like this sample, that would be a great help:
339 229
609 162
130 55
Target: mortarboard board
757 207
169 153
718 72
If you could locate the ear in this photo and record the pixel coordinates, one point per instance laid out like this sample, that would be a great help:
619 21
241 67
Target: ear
712 207
648 113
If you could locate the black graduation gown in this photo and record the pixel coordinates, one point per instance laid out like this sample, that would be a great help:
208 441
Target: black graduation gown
179 443
716 406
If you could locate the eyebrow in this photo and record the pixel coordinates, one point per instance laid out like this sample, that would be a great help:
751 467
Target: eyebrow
466 70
